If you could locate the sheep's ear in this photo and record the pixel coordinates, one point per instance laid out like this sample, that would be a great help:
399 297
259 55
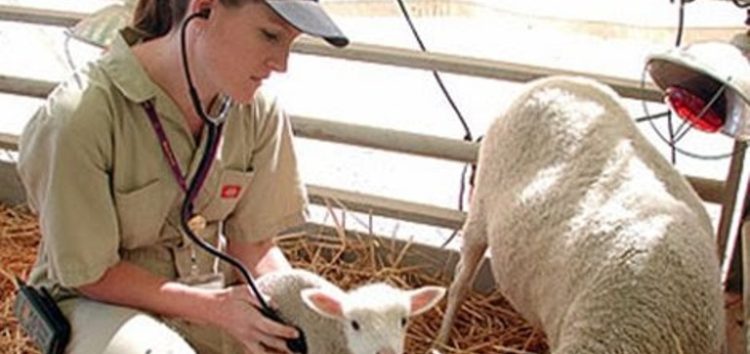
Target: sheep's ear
326 303
424 298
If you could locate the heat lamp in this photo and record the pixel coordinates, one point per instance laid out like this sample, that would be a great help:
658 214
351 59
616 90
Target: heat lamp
707 84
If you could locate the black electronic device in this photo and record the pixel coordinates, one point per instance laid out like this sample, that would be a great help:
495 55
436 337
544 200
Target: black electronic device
41 319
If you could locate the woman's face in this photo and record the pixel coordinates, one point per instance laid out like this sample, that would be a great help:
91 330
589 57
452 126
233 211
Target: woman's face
239 47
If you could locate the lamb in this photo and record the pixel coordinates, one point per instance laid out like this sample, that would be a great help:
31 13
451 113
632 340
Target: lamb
371 319
593 235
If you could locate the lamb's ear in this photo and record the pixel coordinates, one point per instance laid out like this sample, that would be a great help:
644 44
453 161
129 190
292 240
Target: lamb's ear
424 298
326 303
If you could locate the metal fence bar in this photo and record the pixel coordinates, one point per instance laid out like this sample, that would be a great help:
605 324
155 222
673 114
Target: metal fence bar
477 67
424 145
385 139
385 55
11 191
39 16
319 129
729 199
709 190
8 142
388 207
25 87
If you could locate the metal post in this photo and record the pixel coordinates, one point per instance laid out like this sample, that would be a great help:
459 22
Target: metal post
725 241
745 232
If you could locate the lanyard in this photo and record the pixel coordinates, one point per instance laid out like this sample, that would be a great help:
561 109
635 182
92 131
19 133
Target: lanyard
297 345
166 148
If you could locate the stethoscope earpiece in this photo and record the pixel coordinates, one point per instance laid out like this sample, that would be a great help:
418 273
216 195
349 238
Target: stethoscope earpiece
204 13
226 103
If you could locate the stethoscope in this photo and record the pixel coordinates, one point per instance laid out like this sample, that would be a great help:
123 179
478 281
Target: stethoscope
214 125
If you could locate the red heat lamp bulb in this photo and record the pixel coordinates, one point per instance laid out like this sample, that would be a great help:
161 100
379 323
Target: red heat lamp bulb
689 107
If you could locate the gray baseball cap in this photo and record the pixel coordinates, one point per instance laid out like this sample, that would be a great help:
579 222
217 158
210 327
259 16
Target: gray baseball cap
309 17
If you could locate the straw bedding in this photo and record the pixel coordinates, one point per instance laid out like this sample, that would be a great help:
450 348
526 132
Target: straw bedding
486 324
19 237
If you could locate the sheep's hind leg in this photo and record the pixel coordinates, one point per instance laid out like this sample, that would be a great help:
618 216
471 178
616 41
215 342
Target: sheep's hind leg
472 253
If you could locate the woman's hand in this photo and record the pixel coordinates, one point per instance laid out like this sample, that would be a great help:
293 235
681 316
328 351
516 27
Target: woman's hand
238 314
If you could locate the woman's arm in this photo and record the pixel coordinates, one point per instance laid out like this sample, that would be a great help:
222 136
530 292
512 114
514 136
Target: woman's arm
259 257
130 285
233 309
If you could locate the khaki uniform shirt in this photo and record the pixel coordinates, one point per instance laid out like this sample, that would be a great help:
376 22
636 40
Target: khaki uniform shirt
93 169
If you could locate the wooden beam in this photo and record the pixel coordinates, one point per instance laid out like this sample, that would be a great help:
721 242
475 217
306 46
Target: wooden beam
319 129
39 16
385 139
8 142
15 85
448 63
436 258
11 191
392 208
436 261
709 190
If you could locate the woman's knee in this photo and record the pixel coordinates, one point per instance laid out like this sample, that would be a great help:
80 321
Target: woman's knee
102 328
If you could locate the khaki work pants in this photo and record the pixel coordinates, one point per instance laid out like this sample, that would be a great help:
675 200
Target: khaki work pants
108 329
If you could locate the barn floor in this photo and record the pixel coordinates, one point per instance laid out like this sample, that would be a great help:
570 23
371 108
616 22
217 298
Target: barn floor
19 239
488 325
736 341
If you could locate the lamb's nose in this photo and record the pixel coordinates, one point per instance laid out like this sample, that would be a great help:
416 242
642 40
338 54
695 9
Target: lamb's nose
386 351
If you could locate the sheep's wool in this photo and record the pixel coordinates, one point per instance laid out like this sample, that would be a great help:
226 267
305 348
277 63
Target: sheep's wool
593 235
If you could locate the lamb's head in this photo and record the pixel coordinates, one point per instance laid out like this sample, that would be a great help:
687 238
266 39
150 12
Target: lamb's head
375 316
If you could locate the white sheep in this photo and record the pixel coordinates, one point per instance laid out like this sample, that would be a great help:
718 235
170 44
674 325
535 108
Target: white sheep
593 235
371 319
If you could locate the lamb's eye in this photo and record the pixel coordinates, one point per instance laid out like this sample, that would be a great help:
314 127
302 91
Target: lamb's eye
403 322
355 325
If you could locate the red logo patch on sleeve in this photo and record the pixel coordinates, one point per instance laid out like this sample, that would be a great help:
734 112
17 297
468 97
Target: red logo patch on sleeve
230 191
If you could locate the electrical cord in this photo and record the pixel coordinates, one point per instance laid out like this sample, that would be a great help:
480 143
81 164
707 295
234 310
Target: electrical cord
652 117
680 22
677 42
668 115
448 97
435 74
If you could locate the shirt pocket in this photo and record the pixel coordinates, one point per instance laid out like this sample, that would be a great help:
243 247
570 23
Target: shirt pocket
232 185
142 212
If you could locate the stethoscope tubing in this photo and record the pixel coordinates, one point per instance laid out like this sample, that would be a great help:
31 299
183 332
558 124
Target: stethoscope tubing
213 136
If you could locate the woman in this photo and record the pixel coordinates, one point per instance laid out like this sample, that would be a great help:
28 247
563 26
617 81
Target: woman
108 186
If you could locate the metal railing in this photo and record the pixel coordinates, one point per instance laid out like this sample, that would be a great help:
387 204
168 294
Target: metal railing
713 191
710 190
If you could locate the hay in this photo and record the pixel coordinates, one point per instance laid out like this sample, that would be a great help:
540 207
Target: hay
19 238
486 324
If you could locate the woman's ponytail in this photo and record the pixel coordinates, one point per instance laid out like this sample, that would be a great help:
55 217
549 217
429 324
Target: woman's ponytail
157 17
